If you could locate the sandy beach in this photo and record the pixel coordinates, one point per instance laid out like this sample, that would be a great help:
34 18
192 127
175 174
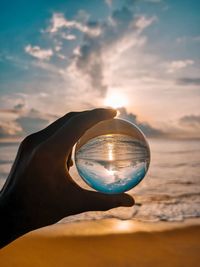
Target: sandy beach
108 242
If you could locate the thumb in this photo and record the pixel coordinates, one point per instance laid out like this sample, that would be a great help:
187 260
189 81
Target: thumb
94 201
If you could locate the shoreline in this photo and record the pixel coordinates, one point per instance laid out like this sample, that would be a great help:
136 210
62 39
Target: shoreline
107 242
113 226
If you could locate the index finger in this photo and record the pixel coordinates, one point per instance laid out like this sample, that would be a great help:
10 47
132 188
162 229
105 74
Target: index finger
62 142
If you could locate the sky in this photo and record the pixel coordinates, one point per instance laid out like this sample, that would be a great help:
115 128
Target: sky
58 56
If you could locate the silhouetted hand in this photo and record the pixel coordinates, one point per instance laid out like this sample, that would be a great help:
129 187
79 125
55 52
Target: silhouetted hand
39 190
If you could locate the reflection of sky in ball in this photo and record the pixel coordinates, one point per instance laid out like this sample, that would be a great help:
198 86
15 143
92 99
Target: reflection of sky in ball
113 163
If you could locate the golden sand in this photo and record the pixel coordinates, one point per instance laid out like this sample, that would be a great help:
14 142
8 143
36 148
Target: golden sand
109 243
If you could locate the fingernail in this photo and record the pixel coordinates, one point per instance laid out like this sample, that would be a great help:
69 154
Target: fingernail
112 111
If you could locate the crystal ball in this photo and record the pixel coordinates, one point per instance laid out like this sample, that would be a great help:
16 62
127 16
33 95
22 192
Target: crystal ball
113 156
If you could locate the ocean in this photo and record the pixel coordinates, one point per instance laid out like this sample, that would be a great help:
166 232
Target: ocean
169 192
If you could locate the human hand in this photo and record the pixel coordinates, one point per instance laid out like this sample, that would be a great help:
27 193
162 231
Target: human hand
40 190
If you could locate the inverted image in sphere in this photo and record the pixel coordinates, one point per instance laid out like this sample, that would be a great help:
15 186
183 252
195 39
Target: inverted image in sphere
113 156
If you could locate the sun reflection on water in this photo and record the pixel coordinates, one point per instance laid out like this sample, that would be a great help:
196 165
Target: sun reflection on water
110 152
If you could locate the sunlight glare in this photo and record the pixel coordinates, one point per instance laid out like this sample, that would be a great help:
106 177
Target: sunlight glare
123 226
110 151
116 100
111 172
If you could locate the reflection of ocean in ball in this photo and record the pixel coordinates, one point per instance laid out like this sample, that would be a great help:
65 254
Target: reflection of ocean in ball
113 156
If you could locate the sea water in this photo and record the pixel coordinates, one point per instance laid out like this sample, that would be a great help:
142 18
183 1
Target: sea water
170 191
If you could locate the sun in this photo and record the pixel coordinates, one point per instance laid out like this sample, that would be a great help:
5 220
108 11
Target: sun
115 100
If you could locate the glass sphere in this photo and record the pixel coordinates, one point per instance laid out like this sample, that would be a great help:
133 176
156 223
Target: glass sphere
113 156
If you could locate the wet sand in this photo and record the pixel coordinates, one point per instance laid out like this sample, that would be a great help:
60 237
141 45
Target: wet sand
107 243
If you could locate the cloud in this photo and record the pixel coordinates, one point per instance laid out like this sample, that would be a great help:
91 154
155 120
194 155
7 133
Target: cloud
31 122
82 16
68 37
59 21
190 121
185 39
9 129
108 2
196 38
188 81
185 127
94 55
58 48
145 127
20 105
51 68
16 125
61 56
17 109
101 44
37 52
179 64
144 22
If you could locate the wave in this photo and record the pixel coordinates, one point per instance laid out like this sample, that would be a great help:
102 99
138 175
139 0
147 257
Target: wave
171 192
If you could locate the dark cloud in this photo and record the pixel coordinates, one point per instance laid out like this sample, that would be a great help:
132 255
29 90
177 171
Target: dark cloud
189 81
19 106
25 123
122 16
89 60
33 121
145 127
192 121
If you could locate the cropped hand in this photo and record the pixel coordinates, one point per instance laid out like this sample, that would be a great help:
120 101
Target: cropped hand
39 190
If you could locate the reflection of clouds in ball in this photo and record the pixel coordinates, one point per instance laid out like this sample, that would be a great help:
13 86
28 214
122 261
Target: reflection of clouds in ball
99 176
